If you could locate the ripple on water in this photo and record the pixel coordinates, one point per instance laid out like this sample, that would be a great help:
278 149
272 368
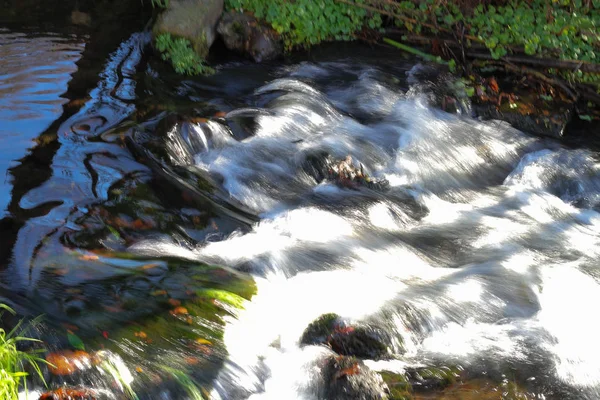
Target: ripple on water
34 72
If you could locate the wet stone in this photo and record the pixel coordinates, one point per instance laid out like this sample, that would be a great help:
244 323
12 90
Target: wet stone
344 173
357 340
535 122
246 35
349 378
69 394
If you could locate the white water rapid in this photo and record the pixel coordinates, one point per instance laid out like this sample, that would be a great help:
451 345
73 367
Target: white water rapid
482 251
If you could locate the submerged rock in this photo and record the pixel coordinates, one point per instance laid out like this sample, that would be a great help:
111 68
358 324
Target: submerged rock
349 378
357 340
69 394
246 35
194 20
432 378
344 173
68 362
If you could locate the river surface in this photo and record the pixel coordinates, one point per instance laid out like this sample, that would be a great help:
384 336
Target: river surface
474 246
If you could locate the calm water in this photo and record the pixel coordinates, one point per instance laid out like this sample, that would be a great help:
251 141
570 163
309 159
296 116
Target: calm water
480 252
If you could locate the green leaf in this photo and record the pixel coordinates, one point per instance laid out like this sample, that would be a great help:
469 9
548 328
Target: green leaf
452 66
75 341
585 117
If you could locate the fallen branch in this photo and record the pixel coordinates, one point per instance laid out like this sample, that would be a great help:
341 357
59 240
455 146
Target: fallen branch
572 65
408 49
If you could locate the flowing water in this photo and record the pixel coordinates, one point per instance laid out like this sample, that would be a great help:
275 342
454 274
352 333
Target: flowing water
477 248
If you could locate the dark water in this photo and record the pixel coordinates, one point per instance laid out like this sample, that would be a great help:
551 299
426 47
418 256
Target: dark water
481 251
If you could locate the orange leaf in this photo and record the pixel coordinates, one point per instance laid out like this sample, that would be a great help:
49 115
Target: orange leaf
179 311
493 85
141 335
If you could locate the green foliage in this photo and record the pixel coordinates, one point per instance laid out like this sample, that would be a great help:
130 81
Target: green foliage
564 29
303 23
12 361
182 56
160 3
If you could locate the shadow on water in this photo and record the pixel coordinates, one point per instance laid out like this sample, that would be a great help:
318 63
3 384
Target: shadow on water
73 199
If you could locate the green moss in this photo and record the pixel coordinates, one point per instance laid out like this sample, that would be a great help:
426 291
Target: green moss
184 59
319 330
398 385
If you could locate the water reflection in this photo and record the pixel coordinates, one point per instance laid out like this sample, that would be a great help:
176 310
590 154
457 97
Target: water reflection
34 73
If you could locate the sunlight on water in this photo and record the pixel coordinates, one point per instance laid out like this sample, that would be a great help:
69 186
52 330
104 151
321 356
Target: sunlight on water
474 253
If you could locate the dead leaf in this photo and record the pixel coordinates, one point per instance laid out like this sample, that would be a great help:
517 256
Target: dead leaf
179 311
493 84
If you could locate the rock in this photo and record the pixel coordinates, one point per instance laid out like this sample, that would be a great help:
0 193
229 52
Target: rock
246 35
357 340
194 20
69 394
537 121
398 386
68 362
536 108
343 173
349 378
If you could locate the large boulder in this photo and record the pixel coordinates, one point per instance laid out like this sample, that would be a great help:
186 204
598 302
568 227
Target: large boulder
246 35
194 20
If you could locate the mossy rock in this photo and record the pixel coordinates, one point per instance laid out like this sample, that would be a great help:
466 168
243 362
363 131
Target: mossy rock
194 20
348 378
359 340
398 386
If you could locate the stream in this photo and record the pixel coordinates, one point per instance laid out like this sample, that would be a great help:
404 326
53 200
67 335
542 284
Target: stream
185 232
